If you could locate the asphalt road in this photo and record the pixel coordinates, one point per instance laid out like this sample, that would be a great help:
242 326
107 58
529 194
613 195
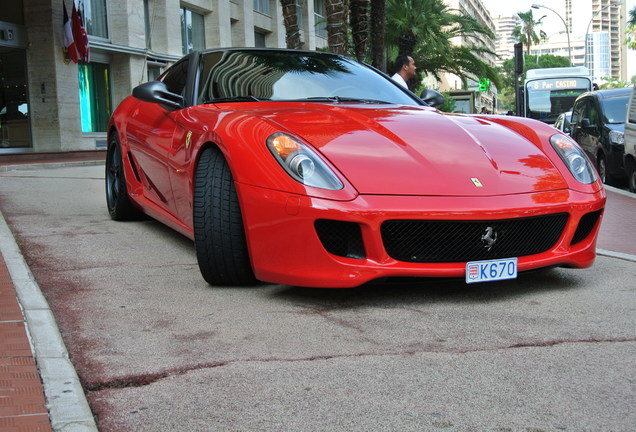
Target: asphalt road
157 349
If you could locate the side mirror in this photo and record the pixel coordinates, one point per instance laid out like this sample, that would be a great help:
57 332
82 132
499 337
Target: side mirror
585 123
432 97
157 92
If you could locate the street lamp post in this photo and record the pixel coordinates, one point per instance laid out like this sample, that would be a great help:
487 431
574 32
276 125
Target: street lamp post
567 32
587 31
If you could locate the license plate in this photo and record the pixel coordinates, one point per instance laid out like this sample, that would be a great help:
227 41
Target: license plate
492 270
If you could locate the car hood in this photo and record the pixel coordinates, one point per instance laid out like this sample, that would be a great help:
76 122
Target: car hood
415 151
618 127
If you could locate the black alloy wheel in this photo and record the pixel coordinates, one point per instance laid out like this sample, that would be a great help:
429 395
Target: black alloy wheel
119 206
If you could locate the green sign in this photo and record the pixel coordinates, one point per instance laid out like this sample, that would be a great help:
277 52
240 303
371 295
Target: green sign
484 84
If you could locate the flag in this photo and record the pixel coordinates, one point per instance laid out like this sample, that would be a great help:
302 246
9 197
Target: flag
80 36
69 42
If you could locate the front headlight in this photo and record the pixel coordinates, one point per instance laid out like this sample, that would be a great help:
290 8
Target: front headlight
301 162
617 137
574 158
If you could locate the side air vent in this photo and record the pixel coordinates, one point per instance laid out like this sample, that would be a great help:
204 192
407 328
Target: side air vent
341 238
586 225
134 167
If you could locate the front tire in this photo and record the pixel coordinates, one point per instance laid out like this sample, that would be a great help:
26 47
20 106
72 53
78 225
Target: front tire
119 206
219 235
603 172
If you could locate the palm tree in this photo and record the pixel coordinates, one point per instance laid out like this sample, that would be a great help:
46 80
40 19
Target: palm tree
290 19
525 33
425 29
378 32
630 40
359 13
336 12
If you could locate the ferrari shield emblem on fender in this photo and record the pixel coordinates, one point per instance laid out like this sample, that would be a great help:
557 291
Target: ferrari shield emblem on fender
476 182
188 136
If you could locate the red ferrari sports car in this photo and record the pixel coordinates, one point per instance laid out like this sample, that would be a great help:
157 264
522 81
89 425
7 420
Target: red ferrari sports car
310 169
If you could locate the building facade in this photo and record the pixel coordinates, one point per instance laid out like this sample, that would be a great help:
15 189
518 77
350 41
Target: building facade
50 104
596 30
505 40
608 17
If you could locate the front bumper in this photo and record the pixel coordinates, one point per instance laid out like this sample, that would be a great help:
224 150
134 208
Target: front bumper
285 247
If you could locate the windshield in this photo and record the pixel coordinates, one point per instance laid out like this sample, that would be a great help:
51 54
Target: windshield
285 75
614 109
547 98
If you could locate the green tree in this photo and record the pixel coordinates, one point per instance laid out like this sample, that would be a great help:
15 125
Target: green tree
425 29
507 99
449 103
612 83
526 32
630 40
507 72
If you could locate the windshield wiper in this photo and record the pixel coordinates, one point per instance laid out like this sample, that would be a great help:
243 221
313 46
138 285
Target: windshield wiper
236 99
340 99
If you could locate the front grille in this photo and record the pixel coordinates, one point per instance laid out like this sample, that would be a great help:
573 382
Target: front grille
587 223
434 241
341 238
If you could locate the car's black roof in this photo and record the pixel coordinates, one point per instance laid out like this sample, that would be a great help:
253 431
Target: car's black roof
281 50
610 93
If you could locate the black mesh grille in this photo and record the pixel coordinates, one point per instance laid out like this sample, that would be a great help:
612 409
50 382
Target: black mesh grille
587 223
341 238
458 241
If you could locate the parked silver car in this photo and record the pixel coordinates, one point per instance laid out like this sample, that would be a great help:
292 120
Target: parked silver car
563 122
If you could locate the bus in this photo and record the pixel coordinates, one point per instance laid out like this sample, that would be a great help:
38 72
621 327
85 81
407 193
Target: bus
552 91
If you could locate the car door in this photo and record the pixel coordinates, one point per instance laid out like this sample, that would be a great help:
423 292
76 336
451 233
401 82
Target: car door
152 129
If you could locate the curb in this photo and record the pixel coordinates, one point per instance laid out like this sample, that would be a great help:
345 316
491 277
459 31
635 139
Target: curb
68 408
619 255
620 191
41 165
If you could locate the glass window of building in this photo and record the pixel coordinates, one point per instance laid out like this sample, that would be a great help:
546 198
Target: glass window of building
192 31
259 40
299 13
262 6
95 14
154 71
94 92
319 18
14 108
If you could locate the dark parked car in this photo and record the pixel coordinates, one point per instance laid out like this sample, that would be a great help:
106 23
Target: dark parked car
598 125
